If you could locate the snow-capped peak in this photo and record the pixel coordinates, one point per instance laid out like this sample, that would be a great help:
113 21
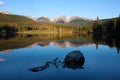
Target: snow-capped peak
5 12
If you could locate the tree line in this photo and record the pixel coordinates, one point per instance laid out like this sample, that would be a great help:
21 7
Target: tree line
42 26
15 23
107 32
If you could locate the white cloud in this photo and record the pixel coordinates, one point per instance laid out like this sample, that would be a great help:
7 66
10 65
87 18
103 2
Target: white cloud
1 2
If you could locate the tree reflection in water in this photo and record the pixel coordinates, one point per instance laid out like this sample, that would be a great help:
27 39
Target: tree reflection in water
73 60
16 41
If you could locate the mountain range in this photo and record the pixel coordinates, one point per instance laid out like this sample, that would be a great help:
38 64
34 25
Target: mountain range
63 19
60 19
6 16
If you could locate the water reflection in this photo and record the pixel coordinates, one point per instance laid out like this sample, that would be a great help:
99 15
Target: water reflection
73 60
108 39
53 62
44 40
75 40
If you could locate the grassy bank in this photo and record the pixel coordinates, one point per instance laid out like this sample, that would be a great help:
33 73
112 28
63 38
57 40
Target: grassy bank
42 32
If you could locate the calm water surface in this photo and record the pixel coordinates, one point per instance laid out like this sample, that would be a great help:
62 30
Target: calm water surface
101 63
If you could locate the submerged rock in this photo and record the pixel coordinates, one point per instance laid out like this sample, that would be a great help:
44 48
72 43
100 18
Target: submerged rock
74 60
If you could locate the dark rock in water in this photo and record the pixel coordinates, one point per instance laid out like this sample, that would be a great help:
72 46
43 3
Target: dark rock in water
74 60
55 62
36 69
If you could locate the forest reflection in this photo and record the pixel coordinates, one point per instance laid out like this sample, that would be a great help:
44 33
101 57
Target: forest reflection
108 39
62 40
27 40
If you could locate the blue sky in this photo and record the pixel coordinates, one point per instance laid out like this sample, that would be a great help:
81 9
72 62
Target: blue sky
55 8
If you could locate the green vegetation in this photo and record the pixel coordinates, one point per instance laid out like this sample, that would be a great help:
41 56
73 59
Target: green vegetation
81 23
107 32
20 24
104 31
4 18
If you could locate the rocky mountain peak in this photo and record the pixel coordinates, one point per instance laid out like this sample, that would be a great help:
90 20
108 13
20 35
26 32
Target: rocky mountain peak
5 12
63 19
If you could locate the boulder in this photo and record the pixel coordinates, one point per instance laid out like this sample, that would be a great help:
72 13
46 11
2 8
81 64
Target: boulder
74 60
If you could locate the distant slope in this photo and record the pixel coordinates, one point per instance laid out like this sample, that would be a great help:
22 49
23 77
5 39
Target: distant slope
81 22
6 17
10 18
43 19
74 20
105 20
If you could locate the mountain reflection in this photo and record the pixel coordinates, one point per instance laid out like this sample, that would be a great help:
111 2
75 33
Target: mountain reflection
44 40
75 40
73 60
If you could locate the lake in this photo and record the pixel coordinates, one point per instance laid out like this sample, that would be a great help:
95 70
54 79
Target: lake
41 57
